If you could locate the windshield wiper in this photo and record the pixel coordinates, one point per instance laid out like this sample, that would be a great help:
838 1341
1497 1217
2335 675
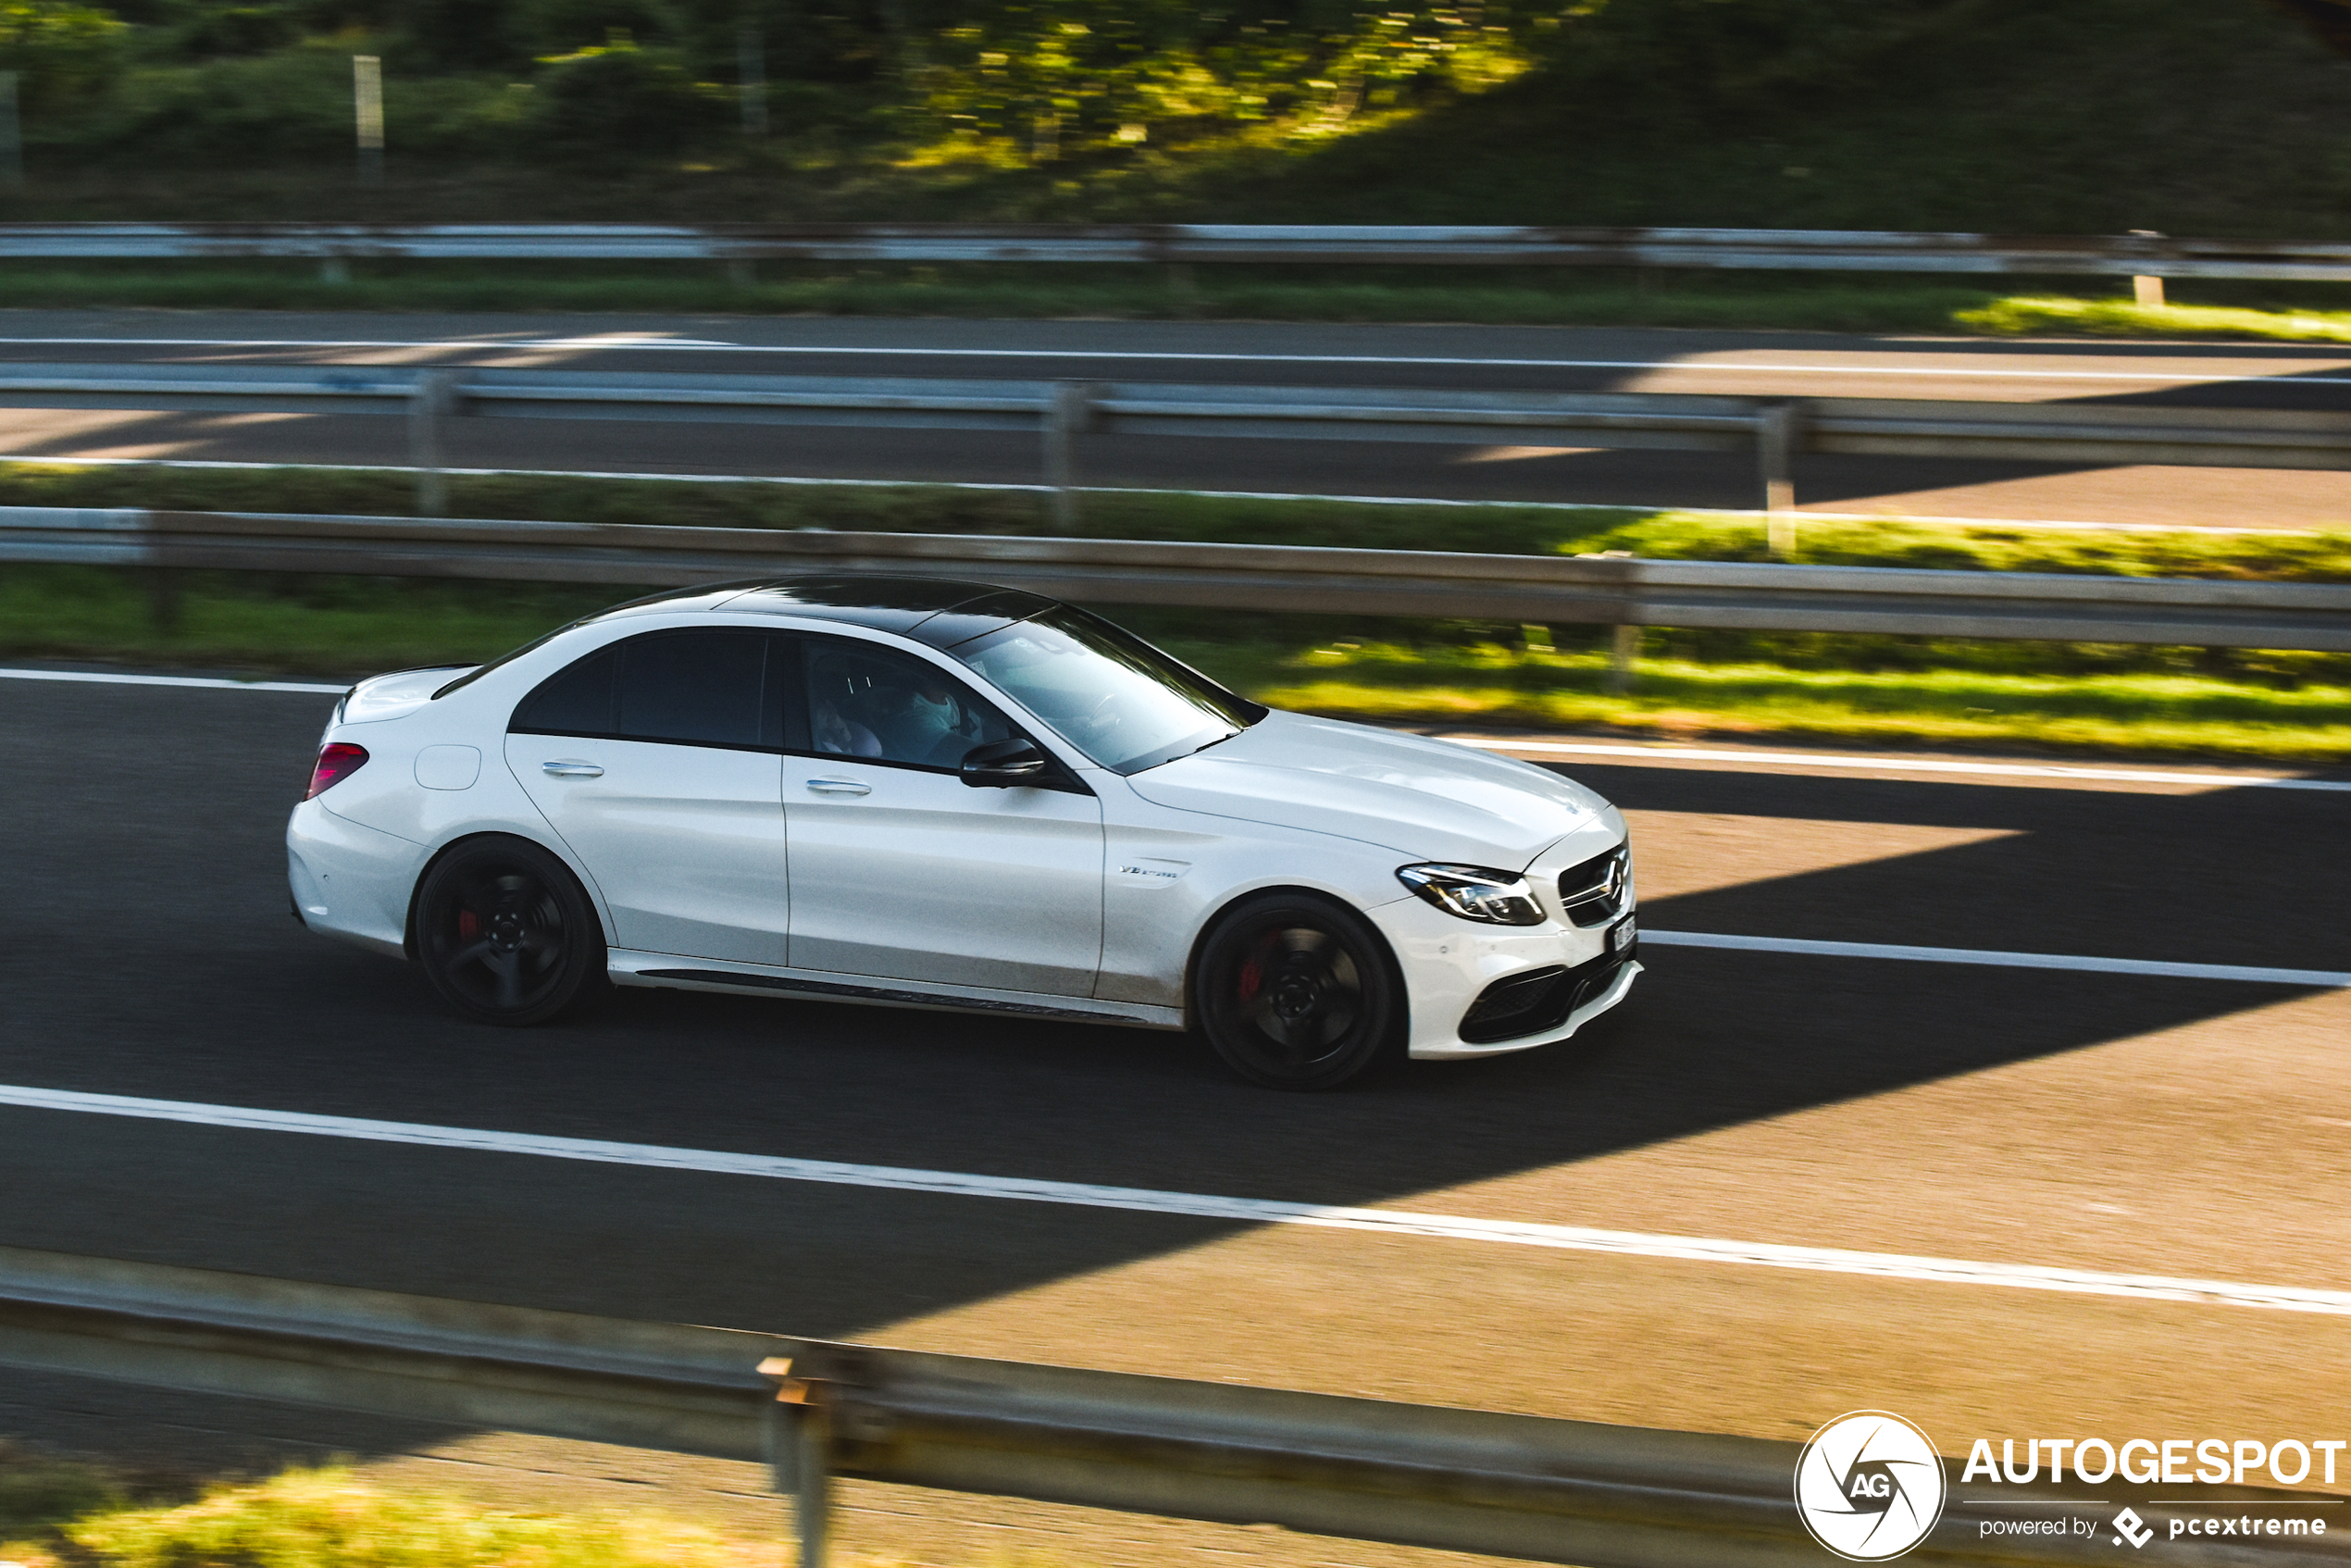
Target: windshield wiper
1218 741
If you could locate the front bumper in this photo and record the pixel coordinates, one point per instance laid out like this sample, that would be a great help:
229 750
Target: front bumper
1448 962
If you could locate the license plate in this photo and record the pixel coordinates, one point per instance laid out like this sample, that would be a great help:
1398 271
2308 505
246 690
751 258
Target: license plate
1621 934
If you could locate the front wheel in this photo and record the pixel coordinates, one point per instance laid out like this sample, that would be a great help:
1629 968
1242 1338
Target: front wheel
506 933
1297 992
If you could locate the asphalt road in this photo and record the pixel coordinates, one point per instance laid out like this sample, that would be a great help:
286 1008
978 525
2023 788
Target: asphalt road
2086 1120
1485 357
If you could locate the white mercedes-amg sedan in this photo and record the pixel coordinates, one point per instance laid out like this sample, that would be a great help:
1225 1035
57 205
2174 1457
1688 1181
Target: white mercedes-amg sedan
943 794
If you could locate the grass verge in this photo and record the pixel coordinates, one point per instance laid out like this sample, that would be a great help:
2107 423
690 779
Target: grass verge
1659 297
55 1512
2139 712
1511 296
2026 314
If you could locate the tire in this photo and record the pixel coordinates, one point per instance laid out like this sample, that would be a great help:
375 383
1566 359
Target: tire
1297 992
505 932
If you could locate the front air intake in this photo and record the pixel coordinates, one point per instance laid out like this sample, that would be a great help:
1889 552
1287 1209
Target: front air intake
1537 1001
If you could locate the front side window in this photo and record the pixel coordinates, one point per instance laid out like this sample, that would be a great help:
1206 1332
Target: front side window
866 701
1108 692
693 688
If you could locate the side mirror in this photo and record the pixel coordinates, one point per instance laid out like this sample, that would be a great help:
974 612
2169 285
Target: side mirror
1003 764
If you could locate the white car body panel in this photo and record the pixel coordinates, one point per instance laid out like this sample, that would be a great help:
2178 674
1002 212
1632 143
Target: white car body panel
922 877
1427 800
723 865
350 880
686 844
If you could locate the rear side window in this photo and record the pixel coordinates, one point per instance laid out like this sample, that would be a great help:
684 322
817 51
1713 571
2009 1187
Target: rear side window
576 701
704 687
695 688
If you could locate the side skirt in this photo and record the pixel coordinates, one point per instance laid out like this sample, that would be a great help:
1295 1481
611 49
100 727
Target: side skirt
662 969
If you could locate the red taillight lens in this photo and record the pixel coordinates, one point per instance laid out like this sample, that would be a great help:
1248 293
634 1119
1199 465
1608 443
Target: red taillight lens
337 762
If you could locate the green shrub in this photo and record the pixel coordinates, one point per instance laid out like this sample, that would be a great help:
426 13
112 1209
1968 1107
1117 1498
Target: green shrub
60 50
239 29
621 98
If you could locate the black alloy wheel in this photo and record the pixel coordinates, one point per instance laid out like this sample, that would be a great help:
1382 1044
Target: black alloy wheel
505 932
1297 992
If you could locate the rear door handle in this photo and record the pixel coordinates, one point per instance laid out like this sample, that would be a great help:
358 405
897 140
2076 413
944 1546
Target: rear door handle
569 768
840 787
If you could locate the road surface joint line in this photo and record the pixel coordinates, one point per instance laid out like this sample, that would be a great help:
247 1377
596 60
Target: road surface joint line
1898 764
680 477
1247 1210
205 682
1992 958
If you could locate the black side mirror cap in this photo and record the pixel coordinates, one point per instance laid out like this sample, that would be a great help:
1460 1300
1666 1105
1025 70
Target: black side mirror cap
1004 764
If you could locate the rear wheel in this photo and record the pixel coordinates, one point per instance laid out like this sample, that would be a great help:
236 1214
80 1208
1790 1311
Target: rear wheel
506 933
1297 992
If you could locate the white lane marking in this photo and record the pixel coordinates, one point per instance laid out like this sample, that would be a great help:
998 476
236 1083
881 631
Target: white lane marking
1805 759
1244 1210
209 682
695 345
1992 958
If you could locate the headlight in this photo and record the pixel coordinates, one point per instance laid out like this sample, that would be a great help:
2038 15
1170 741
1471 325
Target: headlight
1473 892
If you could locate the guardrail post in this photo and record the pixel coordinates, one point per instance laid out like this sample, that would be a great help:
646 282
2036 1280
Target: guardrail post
800 1431
1070 413
367 112
1624 649
1777 427
11 135
1183 287
433 397
2146 289
751 78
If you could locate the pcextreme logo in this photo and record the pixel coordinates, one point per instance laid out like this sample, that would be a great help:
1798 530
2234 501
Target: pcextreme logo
1869 1485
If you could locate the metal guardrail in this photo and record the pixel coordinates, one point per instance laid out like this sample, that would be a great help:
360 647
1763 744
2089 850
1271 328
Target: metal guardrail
1182 244
1459 1480
1543 589
1773 429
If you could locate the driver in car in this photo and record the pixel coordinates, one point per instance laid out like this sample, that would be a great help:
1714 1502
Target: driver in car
929 719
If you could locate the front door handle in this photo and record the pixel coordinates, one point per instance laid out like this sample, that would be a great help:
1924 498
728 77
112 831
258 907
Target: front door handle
840 787
570 768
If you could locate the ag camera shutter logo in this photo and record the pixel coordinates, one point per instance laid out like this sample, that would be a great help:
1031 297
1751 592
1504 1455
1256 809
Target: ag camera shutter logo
1869 1485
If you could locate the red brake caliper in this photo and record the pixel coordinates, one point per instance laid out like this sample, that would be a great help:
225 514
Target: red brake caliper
468 925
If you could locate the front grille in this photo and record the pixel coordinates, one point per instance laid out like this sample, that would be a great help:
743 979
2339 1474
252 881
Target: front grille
1593 893
1542 999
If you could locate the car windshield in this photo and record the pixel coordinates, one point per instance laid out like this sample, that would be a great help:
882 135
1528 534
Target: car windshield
1108 693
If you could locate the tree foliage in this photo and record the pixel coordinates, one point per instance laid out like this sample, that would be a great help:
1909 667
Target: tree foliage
59 49
1059 76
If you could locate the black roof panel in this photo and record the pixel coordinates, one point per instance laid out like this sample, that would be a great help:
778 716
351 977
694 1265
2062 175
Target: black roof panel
910 607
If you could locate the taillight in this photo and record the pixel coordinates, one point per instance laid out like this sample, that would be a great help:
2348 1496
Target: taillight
337 762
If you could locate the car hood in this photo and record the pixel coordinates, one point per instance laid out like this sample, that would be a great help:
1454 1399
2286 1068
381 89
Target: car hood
1428 799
